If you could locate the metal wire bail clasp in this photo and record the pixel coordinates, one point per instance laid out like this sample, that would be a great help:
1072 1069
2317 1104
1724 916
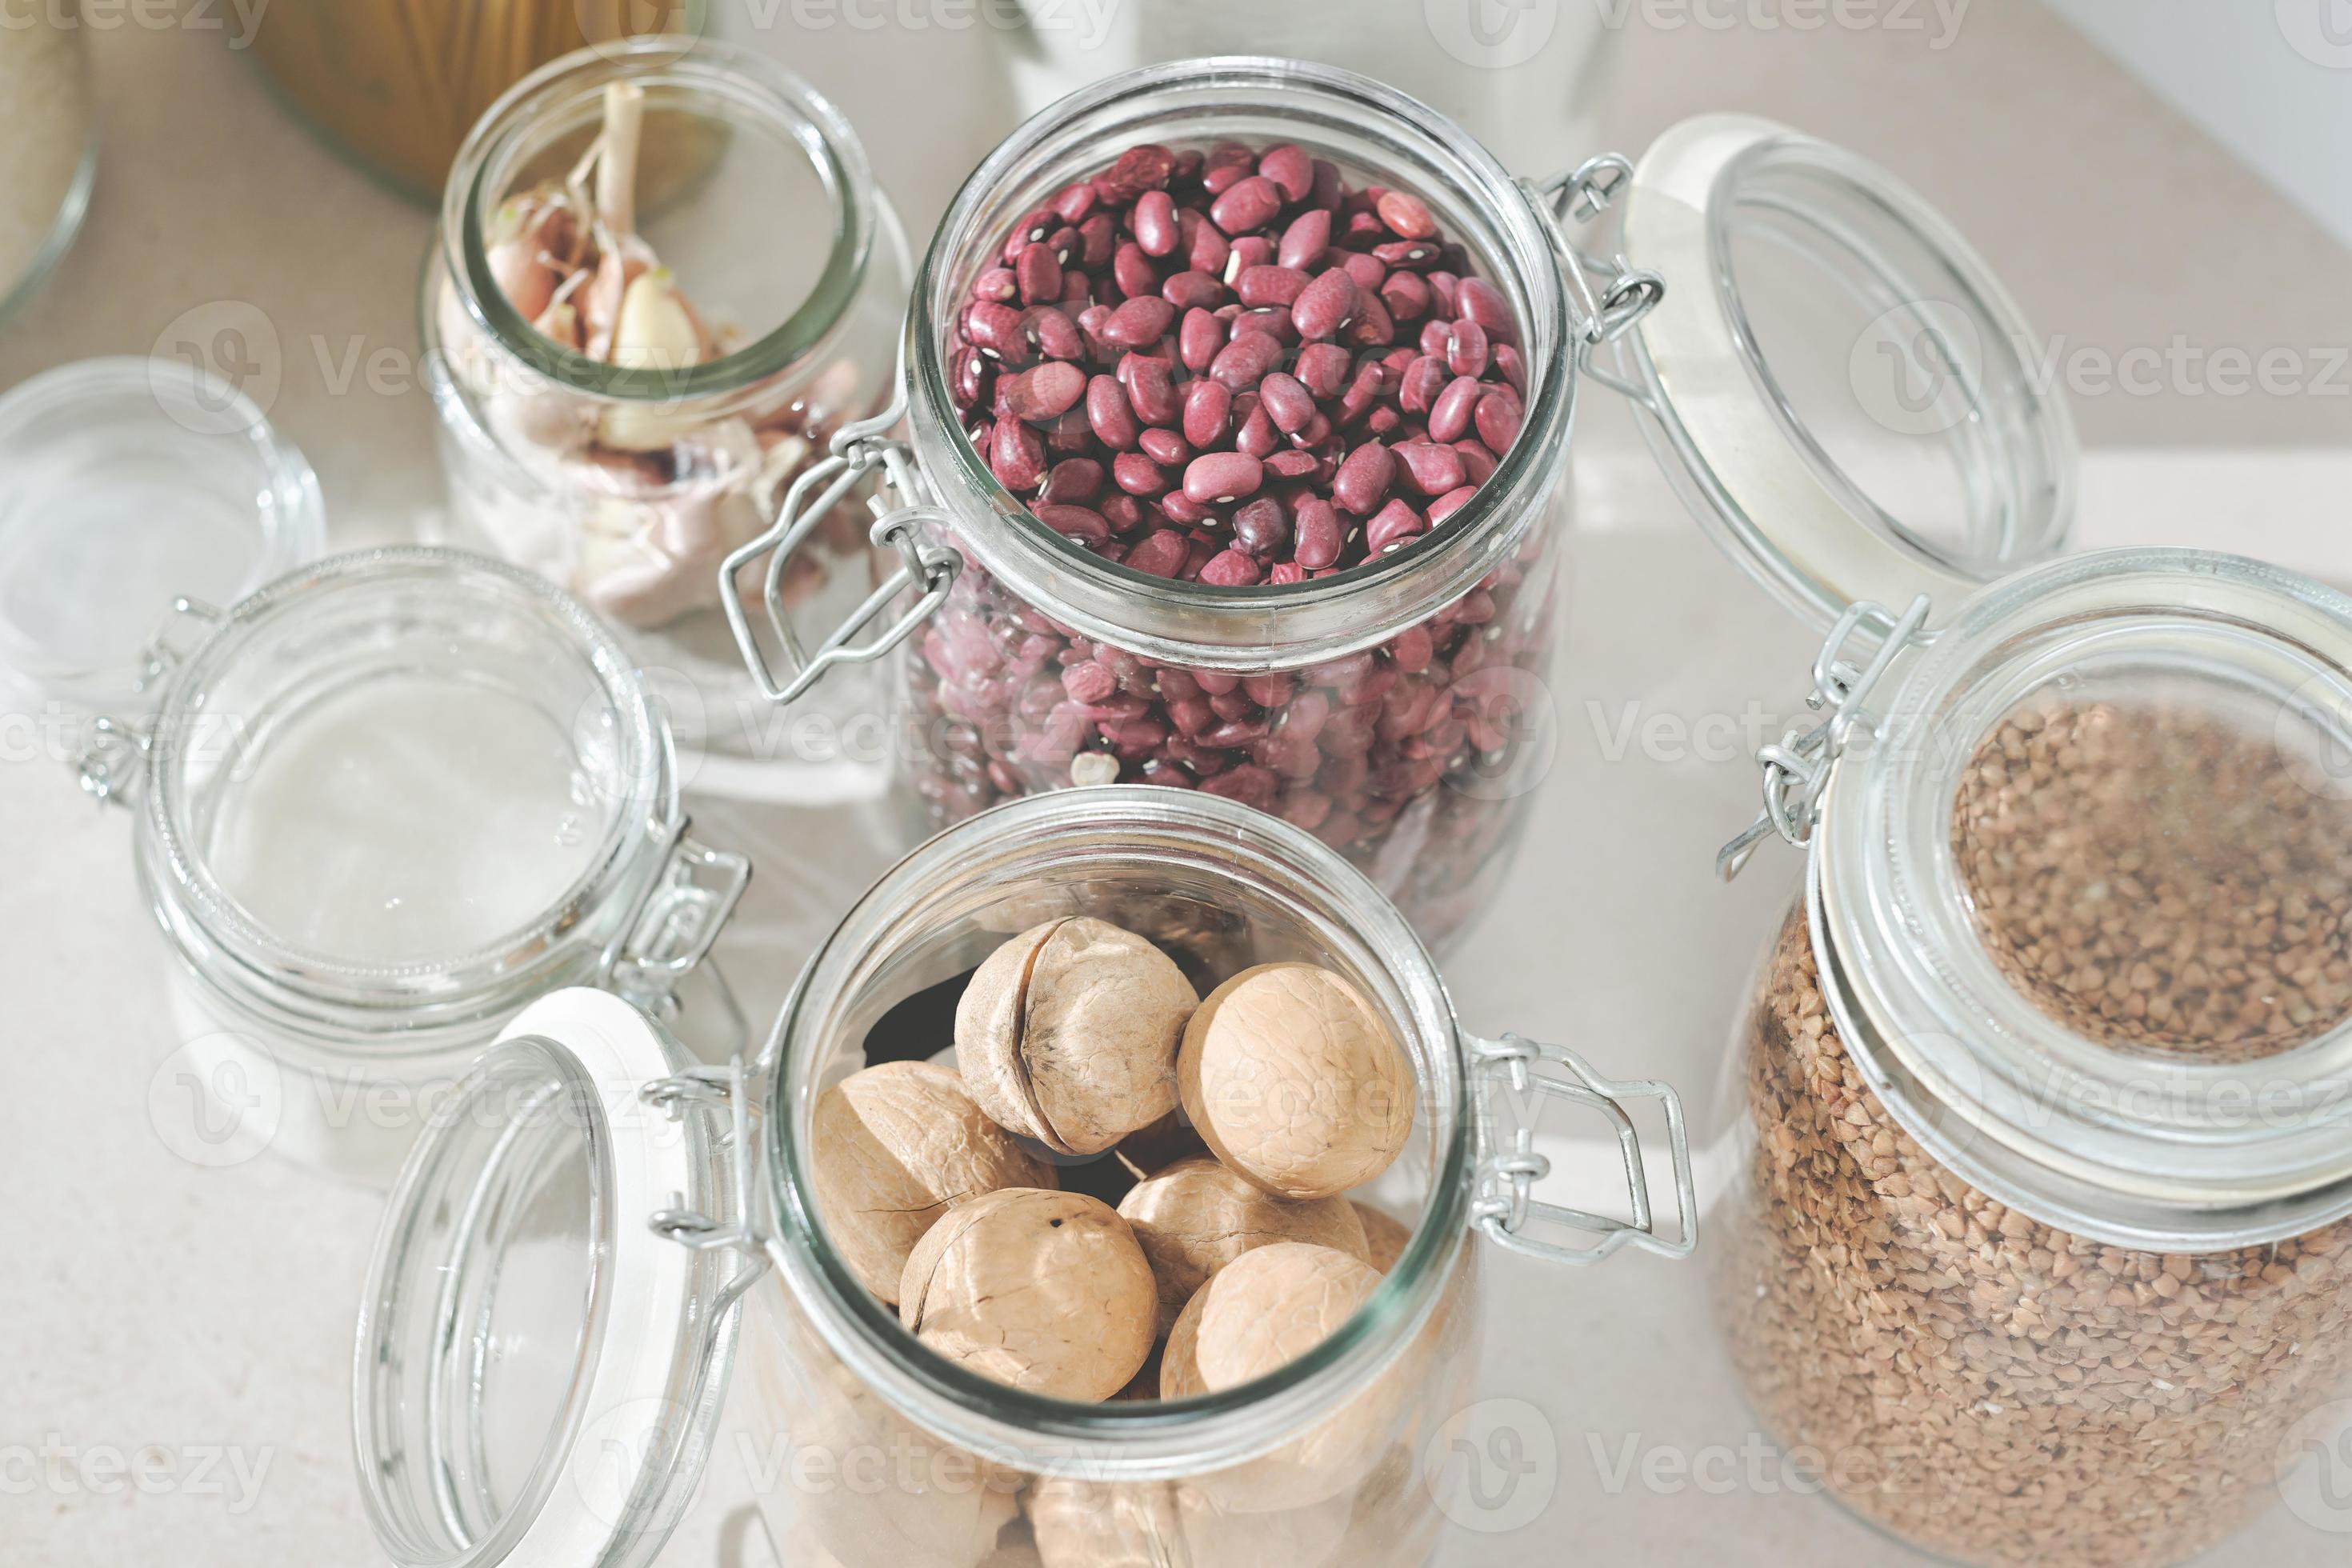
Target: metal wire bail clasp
1505 1203
113 758
709 1090
857 450
1575 198
1797 767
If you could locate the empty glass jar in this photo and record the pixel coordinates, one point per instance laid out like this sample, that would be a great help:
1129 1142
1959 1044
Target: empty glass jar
550 1380
381 805
663 279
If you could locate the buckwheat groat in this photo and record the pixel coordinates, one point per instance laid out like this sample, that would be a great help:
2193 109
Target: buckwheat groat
1990 1387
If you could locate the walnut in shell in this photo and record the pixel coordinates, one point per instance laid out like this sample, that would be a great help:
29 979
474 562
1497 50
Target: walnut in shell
1384 1235
1038 1290
891 1150
1068 1034
1198 1216
1295 1081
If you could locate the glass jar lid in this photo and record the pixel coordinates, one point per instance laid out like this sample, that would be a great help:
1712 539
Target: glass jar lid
539 1369
2083 899
123 483
1835 380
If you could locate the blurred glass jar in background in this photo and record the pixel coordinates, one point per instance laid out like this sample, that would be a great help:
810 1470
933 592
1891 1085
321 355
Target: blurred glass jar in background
1522 78
49 145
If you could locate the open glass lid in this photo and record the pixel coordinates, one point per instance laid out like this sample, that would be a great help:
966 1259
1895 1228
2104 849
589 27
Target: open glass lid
540 1365
1843 392
124 483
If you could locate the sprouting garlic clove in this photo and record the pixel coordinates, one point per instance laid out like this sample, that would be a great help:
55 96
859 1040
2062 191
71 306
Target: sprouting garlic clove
528 282
655 331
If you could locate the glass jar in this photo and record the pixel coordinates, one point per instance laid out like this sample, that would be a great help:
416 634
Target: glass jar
382 805
1394 709
547 1387
623 466
48 145
2039 1212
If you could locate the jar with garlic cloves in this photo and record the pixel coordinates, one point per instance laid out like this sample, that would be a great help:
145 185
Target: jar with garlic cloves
2030 1161
664 278
760 1304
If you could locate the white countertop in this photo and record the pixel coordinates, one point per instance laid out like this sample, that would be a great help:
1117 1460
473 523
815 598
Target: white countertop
146 1303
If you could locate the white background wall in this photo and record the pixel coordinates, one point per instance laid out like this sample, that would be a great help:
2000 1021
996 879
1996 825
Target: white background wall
2270 79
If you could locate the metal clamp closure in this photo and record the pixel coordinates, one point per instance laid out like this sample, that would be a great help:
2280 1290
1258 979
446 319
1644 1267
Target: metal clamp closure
1797 767
709 1089
857 450
1504 1204
111 761
675 925
1575 198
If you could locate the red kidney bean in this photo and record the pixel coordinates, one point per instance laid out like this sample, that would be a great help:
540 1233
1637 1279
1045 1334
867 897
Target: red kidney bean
1320 535
1497 419
1514 368
1482 302
1322 369
1226 163
998 285
1424 379
1406 296
1166 447
1366 270
1258 437
1243 362
1161 553
1406 216
1222 476
1122 511
1429 468
1056 336
1208 412
1072 203
1466 350
1264 286
1154 222
1371 328
1137 474
1449 415
1282 396
1260 526
1070 435
1038 271
1371 383
1249 206
1033 227
1133 272
1288 166
1292 465
1073 481
1274 320
1193 291
1139 324
1363 480
1097 240
1306 240
1198 338
1449 503
1183 509
1138 169
1017 457
1410 254
995 330
1150 389
1250 250
1045 393
1325 305
1205 247
1084 524
1110 414
1229 569
1392 526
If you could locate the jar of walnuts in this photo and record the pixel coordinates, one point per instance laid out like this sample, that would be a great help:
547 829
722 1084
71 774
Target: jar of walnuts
2038 1221
1109 1191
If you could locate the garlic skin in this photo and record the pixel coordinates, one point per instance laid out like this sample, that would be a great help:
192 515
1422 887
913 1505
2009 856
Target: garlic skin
1042 1290
1069 1033
892 1149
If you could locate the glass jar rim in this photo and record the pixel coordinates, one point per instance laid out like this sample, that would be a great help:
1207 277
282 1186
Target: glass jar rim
747 81
2148 1152
1118 1439
235 955
1319 618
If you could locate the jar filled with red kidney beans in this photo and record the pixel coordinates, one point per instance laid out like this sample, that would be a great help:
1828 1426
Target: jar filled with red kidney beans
1242 388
